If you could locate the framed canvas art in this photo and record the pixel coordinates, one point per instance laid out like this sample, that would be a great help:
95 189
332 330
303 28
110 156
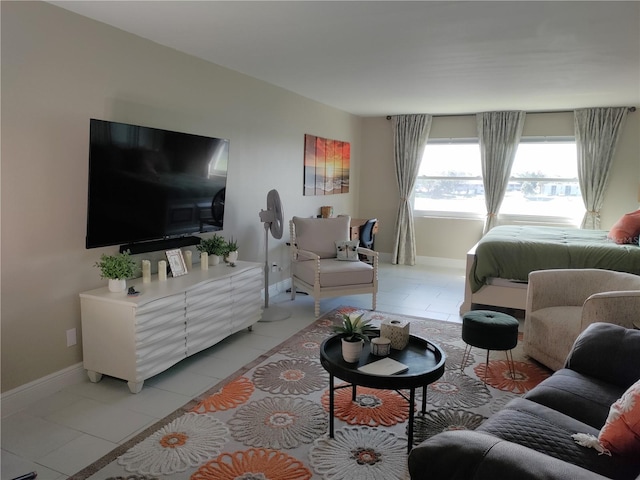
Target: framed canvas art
326 166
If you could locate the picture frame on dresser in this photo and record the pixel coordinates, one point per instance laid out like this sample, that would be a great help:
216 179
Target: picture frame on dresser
176 262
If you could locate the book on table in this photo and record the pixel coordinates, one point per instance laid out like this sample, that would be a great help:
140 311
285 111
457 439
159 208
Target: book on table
384 366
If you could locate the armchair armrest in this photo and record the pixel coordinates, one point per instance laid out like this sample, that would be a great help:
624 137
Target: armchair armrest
305 254
470 455
619 307
562 287
607 352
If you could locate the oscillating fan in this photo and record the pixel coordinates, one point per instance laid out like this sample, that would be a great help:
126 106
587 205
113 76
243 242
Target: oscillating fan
272 219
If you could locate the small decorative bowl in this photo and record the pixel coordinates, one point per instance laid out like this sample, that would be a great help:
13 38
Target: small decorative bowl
380 346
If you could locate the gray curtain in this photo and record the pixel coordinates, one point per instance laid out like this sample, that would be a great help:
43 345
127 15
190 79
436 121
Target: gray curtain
597 132
499 135
410 133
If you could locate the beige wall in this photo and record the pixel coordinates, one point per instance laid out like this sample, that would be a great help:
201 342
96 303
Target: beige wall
452 238
58 71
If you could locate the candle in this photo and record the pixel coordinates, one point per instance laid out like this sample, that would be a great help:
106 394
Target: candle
204 261
162 270
188 259
146 271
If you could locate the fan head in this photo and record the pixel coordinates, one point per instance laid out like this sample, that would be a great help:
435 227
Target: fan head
273 215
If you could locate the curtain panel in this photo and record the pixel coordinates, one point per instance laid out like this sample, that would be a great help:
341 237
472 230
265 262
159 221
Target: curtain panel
499 134
410 133
597 133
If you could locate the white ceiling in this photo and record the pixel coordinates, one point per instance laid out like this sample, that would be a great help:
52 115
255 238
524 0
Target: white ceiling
375 58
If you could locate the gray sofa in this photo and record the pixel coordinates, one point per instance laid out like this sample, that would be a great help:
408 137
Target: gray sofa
530 438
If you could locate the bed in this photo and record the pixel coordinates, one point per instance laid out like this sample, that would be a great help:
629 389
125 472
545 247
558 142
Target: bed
498 266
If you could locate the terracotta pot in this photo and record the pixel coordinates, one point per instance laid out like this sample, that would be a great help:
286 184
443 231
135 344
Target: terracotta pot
351 350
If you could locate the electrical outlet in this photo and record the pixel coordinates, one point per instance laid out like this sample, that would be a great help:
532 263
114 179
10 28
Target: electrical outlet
71 337
274 267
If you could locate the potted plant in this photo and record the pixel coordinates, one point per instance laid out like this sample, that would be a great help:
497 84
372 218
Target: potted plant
231 251
354 332
117 268
214 247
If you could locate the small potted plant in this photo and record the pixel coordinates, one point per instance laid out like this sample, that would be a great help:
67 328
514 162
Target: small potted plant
214 247
231 251
354 332
117 268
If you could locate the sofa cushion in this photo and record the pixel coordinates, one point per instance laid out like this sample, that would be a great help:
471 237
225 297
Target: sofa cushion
473 455
547 431
334 273
621 432
607 352
584 398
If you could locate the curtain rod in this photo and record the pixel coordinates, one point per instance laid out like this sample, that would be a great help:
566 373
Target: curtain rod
631 109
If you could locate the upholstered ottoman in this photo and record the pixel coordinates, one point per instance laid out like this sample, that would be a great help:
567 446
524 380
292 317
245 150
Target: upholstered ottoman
491 331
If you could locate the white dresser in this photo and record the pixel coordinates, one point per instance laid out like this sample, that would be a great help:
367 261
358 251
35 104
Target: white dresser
137 337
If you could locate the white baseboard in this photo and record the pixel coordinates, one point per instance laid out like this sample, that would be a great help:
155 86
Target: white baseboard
442 262
17 399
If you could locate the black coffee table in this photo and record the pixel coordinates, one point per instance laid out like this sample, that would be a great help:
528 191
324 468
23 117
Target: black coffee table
424 359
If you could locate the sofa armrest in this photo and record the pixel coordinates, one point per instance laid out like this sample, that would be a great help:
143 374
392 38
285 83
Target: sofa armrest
469 455
607 352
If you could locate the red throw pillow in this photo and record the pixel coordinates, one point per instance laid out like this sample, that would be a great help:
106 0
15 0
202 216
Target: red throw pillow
621 431
627 229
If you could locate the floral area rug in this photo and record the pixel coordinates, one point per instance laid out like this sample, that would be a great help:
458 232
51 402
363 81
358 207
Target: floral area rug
269 421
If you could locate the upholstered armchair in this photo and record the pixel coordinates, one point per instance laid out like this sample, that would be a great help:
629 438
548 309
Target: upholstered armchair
561 303
325 263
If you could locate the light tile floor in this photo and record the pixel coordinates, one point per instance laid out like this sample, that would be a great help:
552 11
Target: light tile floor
60 435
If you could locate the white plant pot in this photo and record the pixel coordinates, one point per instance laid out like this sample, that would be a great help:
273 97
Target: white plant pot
351 350
214 259
232 257
116 285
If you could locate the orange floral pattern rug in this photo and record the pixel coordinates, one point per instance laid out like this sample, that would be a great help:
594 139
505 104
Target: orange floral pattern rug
269 420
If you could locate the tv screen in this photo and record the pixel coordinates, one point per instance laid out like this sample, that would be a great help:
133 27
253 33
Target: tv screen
150 184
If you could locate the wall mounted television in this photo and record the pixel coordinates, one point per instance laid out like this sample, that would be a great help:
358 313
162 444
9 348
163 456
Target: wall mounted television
151 189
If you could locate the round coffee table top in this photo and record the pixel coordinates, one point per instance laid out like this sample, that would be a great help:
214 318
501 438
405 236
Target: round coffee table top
424 359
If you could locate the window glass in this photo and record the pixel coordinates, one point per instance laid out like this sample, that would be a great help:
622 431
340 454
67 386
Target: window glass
543 183
450 179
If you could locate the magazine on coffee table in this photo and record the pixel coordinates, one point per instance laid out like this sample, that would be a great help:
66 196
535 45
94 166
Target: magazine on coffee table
384 366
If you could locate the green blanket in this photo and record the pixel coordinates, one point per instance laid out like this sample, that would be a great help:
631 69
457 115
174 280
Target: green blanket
511 252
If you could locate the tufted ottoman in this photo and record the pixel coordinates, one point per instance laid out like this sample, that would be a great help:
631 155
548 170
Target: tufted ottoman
491 331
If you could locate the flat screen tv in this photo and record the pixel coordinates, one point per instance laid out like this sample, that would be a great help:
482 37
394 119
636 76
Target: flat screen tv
150 184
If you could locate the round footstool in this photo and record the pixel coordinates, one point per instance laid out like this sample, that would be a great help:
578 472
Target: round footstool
491 331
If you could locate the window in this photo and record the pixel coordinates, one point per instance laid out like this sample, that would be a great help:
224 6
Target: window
543 182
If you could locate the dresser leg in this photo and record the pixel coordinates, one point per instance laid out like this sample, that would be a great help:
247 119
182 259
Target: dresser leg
94 377
135 387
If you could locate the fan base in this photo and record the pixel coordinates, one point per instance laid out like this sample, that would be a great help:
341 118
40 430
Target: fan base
274 314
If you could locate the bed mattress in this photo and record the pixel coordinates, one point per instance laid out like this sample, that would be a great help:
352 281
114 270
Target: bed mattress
511 252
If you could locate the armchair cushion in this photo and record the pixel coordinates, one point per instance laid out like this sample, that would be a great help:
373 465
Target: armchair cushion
319 235
334 273
348 250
